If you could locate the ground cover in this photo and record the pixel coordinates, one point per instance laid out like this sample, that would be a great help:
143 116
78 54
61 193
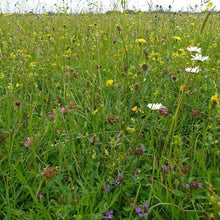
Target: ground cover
110 116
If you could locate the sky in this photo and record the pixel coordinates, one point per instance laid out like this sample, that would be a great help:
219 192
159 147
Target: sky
78 6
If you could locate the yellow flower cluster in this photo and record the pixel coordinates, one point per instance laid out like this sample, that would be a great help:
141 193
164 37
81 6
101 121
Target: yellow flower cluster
141 41
176 38
95 111
131 130
135 109
209 5
33 64
182 88
215 98
109 82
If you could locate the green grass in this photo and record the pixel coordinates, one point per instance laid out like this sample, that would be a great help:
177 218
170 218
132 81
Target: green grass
52 61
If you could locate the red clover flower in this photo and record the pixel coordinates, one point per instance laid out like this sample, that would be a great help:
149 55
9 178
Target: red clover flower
163 111
27 142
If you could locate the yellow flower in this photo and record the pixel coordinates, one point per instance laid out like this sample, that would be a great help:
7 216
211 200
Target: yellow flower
13 56
210 4
109 82
33 64
212 215
176 38
131 130
175 55
215 98
27 56
193 24
182 88
141 41
95 111
116 55
134 109
53 64
181 50
17 85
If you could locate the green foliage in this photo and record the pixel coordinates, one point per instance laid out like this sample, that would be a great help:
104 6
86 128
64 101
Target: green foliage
75 120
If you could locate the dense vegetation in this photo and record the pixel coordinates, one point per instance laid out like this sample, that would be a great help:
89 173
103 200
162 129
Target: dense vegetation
81 137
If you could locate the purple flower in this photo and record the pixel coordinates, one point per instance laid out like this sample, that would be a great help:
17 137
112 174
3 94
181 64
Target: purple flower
52 116
193 185
105 188
165 169
63 110
136 172
107 215
139 151
168 168
163 38
27 142
138 209
145 205
140 215
94 141
119 180
141 210
40 196
187 186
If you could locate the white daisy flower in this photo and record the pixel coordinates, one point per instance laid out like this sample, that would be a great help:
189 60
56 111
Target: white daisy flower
154 106
193 70
199 57
194 49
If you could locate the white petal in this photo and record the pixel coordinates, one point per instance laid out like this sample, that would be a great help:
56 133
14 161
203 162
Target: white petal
154 106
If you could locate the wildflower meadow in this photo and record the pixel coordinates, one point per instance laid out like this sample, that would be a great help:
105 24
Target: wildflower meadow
110 116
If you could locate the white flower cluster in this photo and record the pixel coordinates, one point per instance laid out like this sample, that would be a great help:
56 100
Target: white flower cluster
198 55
